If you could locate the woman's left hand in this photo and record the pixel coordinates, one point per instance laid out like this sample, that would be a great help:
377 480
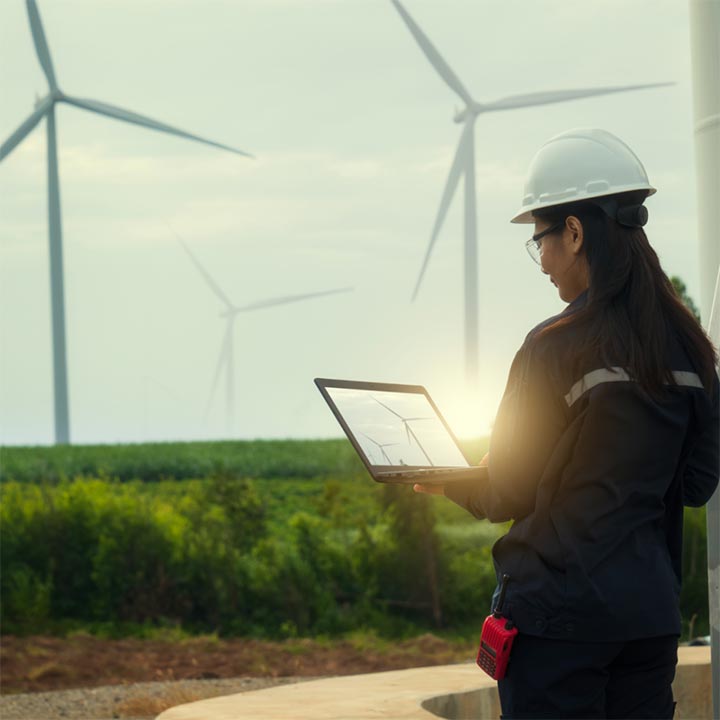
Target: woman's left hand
440 489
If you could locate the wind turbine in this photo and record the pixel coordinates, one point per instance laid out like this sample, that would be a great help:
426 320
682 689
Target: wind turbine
464 164
226 357
381 447
45 108
408 430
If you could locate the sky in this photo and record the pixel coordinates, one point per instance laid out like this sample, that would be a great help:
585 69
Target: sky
353 135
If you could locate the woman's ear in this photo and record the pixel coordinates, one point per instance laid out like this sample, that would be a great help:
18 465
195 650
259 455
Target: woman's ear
575 228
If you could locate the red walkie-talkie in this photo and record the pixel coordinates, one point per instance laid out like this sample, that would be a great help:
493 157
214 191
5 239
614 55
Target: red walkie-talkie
496 639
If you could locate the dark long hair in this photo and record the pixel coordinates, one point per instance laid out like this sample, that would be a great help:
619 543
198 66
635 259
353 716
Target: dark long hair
632 308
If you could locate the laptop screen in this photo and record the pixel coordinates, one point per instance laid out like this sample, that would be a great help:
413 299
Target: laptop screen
396 427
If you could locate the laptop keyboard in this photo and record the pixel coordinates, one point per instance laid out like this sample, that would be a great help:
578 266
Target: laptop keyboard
419 473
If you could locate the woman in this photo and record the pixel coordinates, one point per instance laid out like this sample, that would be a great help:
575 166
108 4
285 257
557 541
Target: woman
607 428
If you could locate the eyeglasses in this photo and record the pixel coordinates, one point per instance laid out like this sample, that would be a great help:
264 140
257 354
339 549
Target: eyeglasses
534 244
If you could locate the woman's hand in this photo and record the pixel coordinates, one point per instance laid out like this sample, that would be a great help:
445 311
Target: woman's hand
429 489
440 489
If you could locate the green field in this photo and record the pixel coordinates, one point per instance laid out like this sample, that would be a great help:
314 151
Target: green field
262 538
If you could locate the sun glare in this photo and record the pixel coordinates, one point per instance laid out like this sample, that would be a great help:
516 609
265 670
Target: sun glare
470 415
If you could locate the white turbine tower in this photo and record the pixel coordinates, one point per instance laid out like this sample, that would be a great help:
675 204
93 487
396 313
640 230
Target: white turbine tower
464 165
705 54
45 108
226 358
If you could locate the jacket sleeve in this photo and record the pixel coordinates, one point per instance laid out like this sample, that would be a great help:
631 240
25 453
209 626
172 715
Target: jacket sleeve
700 477
529 424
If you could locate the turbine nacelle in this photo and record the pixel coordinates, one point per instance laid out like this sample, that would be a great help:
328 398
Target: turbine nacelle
469 111
229 314
42 104
50 99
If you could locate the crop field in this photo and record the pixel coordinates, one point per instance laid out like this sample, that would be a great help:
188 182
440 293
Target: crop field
179 461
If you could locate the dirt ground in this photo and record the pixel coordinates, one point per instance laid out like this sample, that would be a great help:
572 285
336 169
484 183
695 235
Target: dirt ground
37 664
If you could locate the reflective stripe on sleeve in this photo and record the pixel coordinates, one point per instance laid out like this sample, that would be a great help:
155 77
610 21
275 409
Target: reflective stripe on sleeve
618 374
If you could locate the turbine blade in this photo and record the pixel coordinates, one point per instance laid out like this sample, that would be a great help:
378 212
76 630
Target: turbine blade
436 60
713 326
135 119
556 96
287 299
41 46
23 130
389 409
222 359
206 275
448 192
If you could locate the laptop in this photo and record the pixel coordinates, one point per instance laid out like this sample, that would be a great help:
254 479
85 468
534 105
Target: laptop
398 432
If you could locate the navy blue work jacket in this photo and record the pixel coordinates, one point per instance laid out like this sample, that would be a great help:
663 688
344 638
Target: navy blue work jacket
595 473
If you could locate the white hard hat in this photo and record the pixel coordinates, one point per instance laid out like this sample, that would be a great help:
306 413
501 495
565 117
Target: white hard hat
580 165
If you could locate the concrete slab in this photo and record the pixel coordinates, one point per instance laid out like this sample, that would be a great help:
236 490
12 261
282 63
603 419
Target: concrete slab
449 691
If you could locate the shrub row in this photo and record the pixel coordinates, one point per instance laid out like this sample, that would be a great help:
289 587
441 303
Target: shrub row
207 557
99 551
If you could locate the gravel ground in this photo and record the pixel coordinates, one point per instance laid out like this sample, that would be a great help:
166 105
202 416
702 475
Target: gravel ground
126 701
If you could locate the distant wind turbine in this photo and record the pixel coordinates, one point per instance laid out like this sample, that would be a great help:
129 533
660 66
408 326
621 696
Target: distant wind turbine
226 358
464 164
408 430
45 108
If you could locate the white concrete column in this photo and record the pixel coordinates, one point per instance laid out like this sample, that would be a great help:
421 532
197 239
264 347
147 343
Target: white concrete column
705 53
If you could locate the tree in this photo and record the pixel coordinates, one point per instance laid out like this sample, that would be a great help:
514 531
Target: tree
417 565
681 290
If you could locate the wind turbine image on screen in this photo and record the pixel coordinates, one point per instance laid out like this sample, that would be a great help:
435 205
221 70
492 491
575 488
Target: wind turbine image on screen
404 421
381 447
45 108
226 358
463 164
409 432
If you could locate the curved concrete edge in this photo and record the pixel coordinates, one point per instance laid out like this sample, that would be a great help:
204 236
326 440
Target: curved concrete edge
394 694
448 691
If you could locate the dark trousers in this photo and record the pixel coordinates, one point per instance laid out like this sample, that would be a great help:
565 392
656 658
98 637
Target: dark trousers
561 679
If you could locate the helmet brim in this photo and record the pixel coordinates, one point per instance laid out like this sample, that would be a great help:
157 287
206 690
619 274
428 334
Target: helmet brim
526 217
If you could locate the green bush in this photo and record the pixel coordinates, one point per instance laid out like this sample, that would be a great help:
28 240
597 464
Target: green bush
208 559
694 595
